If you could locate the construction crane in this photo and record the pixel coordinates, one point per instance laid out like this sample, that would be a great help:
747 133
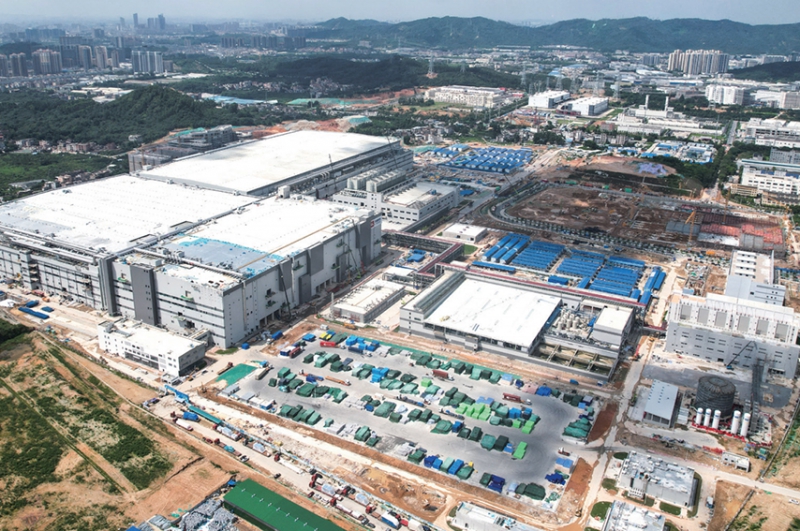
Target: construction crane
691 219
733 359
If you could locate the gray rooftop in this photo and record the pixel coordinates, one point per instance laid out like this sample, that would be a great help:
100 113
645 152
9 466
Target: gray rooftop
661 400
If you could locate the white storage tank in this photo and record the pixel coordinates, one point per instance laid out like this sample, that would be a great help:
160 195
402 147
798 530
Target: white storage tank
698 419
736 422
745 425
707 418
717 418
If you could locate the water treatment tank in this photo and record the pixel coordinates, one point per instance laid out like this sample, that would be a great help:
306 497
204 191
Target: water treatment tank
715 392
737 419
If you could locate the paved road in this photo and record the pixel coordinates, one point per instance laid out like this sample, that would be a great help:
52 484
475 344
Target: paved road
732 132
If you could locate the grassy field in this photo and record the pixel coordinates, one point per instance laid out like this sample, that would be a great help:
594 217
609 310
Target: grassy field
16 167
67 459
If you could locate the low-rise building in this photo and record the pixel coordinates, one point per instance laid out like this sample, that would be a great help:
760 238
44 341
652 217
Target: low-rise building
645 476
158 349
627 517
588 106
662 404
547 100
464 233
482 97
772 132
369 300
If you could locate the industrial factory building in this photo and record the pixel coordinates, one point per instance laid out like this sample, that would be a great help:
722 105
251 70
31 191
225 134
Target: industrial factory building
195 257
588 106
643 476
403 202
734 330
768 176
300 160
662 404
547 100
478 97
535 322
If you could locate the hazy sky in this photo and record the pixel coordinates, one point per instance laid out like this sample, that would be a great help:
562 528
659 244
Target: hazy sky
751 11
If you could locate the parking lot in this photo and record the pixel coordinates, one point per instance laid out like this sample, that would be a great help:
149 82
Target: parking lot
543 442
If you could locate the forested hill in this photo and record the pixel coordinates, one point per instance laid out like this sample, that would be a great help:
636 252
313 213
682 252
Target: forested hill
151 111
634 34
771 72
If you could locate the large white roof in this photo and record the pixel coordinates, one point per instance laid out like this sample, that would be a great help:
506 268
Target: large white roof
495 311
250 166
661 400
112 213
265 232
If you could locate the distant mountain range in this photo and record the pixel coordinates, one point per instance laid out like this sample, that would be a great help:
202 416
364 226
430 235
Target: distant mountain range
633 34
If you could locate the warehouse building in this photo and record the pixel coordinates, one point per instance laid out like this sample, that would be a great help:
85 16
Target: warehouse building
300 160
772 132
479 97
547 100
194 257
269 510
727 330
158 349
365 303
588 106
536 322
644 476
662 404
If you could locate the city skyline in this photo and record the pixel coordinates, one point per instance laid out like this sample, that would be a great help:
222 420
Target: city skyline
767 12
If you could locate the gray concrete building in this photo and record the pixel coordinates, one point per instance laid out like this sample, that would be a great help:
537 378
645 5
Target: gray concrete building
645 476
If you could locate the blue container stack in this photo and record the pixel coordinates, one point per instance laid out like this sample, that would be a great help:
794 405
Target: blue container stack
539 255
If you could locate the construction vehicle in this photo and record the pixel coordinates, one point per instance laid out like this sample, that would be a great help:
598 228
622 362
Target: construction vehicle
349 326
337 380
226 368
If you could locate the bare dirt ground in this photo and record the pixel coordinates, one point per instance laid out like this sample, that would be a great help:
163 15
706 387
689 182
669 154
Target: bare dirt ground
576 490
767 512
621 165
579 207
605 419
728 498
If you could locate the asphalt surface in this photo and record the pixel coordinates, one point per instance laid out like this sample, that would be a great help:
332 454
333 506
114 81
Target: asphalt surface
543 441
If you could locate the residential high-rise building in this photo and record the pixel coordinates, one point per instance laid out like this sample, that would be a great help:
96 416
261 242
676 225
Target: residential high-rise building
85 57
99 33
19 65
4 68
147 62
695 62
113 58
121 22
101 57
152 23
46 62
135 20
162 23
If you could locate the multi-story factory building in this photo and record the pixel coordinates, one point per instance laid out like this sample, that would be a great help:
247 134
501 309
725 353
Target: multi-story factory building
645 476
480 97
729 330
194 247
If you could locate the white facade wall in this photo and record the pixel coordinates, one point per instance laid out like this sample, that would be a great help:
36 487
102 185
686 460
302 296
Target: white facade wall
717 328
127 343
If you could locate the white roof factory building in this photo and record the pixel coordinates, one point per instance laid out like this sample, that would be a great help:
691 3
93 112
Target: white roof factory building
518 319
298 159
190 251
